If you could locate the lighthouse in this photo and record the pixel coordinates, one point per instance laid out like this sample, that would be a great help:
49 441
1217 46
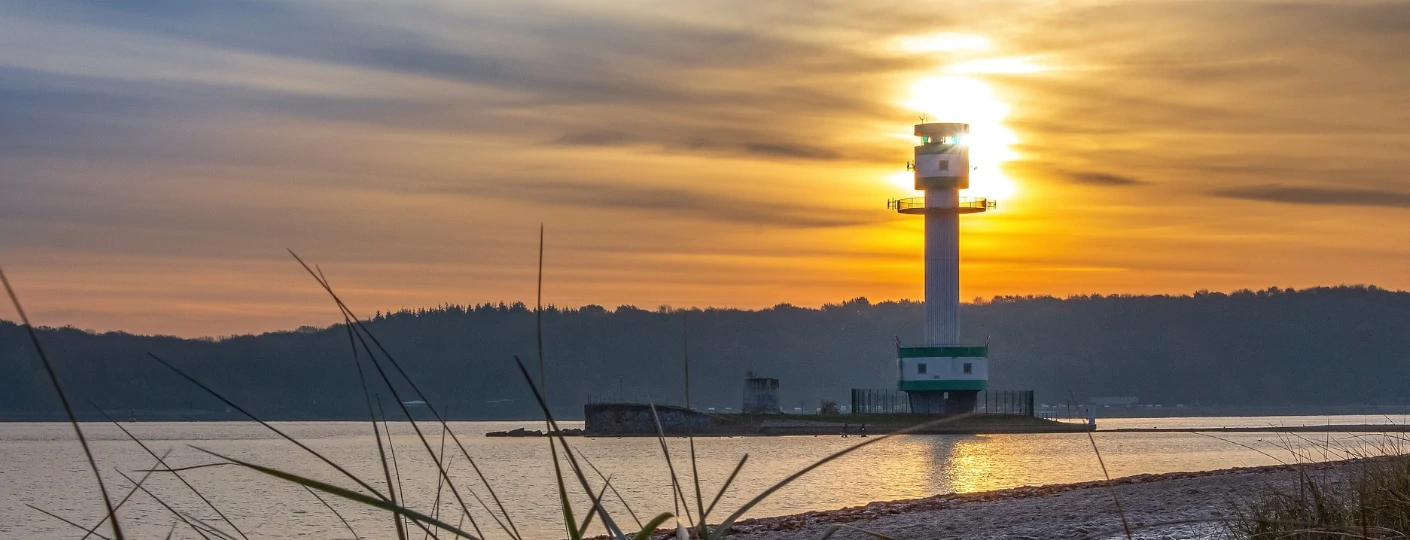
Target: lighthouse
942 375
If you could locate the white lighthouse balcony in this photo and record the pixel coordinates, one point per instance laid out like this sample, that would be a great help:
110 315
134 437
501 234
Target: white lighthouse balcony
966 205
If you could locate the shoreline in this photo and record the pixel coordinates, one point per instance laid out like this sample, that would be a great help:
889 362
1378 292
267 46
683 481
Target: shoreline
1327 428
1076 510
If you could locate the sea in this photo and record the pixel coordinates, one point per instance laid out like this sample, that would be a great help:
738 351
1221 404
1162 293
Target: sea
42 469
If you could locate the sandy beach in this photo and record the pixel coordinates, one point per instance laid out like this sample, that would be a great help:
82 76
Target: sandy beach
1159 506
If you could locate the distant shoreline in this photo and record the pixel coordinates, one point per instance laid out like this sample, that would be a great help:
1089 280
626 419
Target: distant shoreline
1209 411
1326 428
214 417
1197 411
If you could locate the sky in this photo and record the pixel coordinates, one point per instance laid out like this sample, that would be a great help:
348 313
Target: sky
160 157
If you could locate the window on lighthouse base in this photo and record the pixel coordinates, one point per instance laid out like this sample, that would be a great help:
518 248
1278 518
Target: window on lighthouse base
920 369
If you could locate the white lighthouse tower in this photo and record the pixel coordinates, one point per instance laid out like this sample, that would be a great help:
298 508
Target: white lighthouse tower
942 376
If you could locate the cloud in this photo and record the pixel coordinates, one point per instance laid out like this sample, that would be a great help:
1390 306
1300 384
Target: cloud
1046 169
775 149
1104 179
769 150
597 138
386 130
1278 193
790 150
667 202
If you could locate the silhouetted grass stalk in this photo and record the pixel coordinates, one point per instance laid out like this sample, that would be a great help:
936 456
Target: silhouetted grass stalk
92 531
412 515
395 489
372 417
555 433
335 511
69 521
690 426
361 331
161 461
608 483
680 500
179 515
64 399
1125 525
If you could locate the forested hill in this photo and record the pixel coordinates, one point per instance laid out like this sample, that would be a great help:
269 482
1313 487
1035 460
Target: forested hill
1322 346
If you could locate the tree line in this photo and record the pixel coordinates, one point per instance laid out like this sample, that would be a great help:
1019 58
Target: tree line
1318 346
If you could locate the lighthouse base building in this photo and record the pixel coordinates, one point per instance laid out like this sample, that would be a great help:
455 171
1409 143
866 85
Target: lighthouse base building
943 379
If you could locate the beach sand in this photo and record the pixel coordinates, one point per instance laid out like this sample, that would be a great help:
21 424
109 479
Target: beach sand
1151 503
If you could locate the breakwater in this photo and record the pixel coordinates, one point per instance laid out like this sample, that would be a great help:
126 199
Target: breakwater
638 420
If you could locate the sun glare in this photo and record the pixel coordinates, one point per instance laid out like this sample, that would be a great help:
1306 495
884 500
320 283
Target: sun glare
997 66
971 101
902 179
943 43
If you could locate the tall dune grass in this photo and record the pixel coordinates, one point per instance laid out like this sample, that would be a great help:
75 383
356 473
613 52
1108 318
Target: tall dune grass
1371 499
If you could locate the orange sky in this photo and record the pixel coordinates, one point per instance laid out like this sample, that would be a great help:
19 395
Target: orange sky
158 161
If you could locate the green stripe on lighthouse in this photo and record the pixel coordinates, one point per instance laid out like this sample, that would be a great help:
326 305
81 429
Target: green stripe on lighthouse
942 352
941 385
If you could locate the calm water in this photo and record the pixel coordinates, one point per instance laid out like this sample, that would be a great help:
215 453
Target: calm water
43 466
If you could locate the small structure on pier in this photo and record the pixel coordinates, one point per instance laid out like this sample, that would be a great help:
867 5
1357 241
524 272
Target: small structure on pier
760 395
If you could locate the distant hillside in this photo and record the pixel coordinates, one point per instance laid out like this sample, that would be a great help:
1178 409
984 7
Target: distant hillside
1322 346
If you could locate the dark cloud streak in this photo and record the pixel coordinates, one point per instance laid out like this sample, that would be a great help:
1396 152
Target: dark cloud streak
597 138
1278 193
1104 179
700 204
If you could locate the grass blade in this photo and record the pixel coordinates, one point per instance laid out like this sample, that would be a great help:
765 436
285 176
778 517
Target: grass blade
557 433
201 526
513 531
877 536
162 462
168 507
670 466
266 425
362 331
64 519
620 498
728 481
145 475
1125 525
334 511
64 399
724 527
184 469
376 432
538 316
651 526
414 516
690 428
440 482
582 531
569 523
392 450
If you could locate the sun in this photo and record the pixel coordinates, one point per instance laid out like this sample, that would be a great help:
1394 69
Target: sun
961 98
